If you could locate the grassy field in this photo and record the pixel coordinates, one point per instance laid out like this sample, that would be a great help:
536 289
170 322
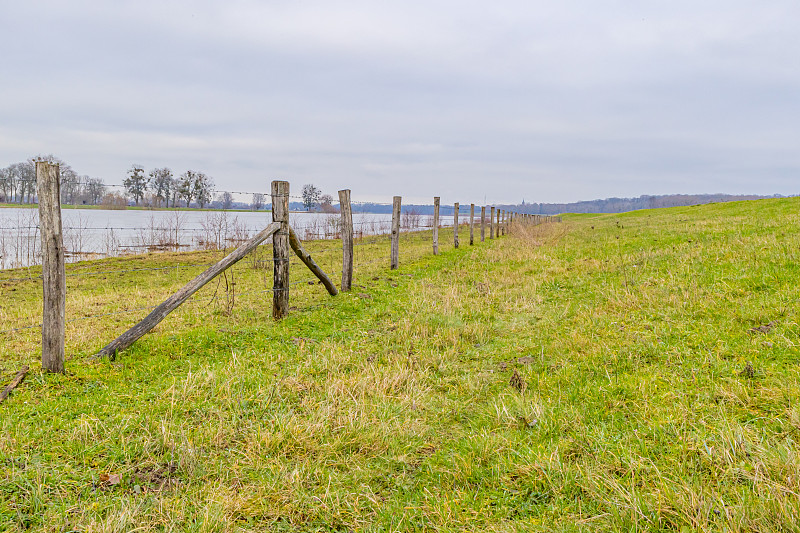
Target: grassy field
634 372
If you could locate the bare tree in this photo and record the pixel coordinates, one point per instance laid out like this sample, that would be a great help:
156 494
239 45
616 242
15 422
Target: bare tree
24 180
162 183
326 204
93 189
226 199
136 183
70 184
6 184
258 201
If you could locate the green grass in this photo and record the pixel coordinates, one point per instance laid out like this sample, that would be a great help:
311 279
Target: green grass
648 401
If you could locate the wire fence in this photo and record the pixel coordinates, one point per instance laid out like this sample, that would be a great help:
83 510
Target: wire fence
100 290
172 231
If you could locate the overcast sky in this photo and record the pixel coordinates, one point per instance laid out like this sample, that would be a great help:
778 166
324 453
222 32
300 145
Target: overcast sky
472 101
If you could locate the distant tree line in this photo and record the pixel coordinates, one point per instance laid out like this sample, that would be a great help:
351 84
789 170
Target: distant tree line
608 205
18 183
161 189
156 188
621 205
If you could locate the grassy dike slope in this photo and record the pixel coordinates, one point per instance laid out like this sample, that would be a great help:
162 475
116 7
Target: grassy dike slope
644 398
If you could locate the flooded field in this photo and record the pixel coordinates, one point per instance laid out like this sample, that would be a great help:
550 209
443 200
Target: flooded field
90 233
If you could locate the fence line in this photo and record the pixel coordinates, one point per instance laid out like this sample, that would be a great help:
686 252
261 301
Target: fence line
499 222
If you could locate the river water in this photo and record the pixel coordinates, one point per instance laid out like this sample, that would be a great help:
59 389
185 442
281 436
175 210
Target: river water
97 233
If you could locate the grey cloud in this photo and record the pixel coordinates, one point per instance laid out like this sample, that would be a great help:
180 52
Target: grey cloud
541 100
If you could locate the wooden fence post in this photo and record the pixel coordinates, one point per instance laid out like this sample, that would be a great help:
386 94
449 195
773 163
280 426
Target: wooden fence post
395 259
471 224
497 224
435 225
491 224
483 223
347 239
54 278
280 250
455 226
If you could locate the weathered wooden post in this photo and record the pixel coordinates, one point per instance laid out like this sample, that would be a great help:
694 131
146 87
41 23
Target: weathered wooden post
491 224
395 259
471 224
54 278
455 226
280 250
483 223
435 225
500 222
347 239
497 225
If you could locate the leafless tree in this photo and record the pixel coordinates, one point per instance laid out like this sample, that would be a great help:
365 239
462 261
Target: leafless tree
162 184
93 189
258 201
226 199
